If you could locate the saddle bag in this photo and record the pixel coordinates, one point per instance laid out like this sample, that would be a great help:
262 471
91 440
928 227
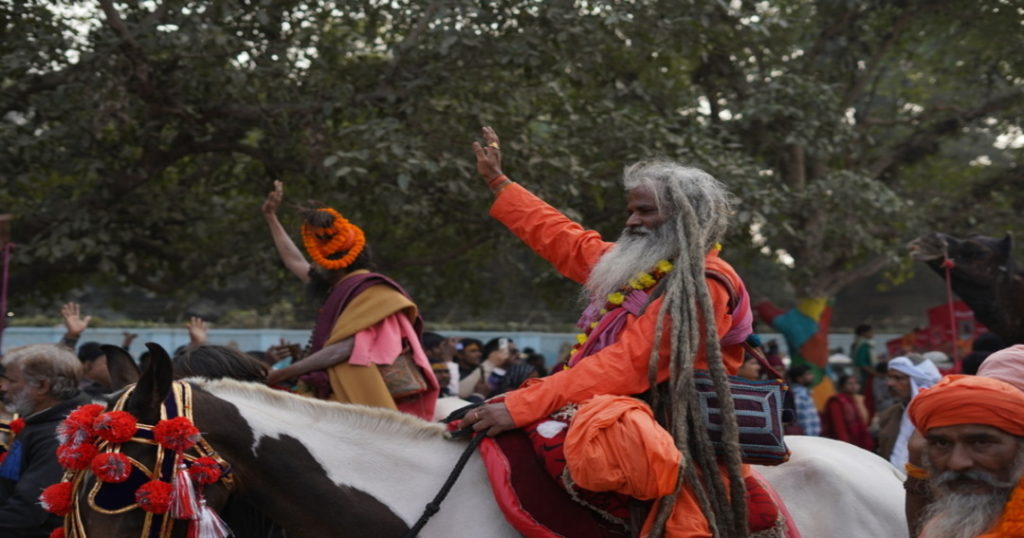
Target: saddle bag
761 412
402 377
758 414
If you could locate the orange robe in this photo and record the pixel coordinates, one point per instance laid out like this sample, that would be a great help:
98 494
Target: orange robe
620 368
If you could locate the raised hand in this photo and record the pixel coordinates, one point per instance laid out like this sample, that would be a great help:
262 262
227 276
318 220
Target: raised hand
73 320
274 199
197 331
488 156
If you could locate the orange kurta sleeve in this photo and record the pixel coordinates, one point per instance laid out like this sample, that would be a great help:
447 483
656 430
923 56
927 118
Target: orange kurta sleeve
620 368
552 235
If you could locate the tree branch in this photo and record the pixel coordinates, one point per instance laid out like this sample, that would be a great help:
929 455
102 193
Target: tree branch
872 66
925 141
834 280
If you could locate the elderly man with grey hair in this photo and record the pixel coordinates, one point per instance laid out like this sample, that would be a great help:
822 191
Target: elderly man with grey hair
40 383
661 304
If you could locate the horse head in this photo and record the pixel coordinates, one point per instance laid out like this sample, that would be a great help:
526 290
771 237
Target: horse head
277 465
112 508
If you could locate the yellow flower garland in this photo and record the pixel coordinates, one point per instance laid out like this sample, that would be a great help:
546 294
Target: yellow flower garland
641 282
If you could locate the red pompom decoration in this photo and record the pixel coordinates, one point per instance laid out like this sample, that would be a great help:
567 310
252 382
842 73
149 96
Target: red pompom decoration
77 427
17 425
176 434
205 471
76 458
154 496
57 533
115 426
56 499
112 467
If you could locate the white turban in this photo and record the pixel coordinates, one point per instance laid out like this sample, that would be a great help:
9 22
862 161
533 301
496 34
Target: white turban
922 376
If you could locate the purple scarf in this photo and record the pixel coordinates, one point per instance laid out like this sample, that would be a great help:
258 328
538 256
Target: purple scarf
341 295
608 329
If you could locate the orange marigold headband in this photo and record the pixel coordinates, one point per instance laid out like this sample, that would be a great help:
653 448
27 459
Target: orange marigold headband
342 235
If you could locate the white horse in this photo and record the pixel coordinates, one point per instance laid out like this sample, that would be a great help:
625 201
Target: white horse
326 469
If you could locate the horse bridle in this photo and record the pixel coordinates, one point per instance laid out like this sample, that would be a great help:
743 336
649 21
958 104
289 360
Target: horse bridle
177 404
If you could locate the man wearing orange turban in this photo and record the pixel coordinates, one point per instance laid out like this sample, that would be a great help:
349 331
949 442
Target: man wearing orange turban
974 457
365 347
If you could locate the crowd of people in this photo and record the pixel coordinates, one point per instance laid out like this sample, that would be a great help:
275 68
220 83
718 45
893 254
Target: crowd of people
660 305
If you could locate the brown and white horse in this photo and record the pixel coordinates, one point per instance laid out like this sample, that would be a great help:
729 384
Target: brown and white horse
322 469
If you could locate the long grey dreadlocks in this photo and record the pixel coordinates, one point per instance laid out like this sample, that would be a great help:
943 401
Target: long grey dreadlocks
699 208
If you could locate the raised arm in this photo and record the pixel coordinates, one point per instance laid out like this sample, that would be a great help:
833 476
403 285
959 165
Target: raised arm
197 331
572 249
286 248
74 324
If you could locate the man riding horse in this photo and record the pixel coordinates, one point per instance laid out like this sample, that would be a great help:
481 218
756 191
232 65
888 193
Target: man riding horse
365 347
661 282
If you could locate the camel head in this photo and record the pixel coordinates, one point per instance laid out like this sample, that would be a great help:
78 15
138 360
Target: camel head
977 258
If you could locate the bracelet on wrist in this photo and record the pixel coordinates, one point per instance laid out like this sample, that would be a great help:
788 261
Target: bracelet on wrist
496 181
501 186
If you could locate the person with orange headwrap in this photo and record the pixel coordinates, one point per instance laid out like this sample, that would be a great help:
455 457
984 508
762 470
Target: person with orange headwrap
365 347
974 459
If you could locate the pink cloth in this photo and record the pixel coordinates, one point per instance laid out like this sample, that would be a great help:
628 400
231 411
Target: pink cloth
381 343
1006 365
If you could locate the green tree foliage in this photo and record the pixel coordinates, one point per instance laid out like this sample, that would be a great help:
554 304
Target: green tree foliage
139 138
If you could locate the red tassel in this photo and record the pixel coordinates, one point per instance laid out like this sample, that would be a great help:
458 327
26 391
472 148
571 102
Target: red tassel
208 525
183 500
56 499
111 467
153 496
115 426
176 433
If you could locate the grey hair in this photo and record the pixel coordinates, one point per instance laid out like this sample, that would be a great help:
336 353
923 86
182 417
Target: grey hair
674 185
51 362
699 206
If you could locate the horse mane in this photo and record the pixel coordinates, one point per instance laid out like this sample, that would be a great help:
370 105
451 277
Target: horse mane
358 416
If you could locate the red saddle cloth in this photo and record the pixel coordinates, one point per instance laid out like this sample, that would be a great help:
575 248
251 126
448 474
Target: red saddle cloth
526 472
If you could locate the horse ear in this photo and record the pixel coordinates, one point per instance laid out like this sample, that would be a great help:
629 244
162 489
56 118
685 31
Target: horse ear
1006 249
123 370
153 387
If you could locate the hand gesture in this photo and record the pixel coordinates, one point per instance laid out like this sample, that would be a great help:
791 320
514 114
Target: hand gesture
129 337
488 156
197 331
73 320
274 199
280 351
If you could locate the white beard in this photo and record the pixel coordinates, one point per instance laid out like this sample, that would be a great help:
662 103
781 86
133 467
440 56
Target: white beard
637 250
20 402
957 515
966 515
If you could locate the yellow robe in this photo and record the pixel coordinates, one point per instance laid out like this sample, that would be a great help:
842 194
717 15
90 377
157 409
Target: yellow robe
364 384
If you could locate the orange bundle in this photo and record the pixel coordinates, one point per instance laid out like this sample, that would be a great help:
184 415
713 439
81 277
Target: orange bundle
614 444
342 235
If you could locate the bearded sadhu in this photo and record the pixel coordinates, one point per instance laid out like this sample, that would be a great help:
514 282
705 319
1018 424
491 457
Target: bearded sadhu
662 304
974 430
365 346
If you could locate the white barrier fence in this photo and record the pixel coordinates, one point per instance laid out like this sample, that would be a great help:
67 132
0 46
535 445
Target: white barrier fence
547 344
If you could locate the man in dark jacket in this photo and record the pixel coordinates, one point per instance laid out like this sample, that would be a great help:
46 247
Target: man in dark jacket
40 383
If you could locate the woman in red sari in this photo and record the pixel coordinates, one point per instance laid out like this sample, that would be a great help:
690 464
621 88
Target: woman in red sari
845 416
